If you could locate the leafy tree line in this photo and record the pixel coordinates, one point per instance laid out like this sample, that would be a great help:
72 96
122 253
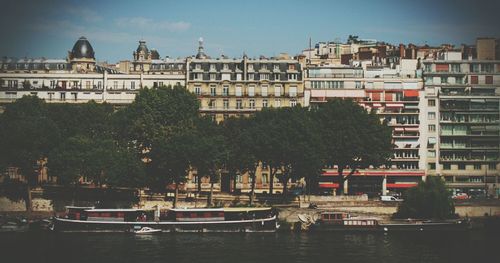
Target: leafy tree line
161 137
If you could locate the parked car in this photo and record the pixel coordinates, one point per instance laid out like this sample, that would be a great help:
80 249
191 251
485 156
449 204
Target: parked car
389 198
460 196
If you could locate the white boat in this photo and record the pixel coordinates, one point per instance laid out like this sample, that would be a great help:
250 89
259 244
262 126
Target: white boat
147 230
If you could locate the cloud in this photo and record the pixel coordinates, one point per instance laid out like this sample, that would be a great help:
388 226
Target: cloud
83 13
144 23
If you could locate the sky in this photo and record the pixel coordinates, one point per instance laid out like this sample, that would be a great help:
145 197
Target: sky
44 28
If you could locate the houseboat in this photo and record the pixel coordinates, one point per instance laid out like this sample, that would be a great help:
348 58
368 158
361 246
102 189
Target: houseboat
89 219
340 221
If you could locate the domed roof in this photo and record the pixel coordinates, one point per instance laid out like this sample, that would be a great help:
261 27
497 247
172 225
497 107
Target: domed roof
155 54
82 49
142 47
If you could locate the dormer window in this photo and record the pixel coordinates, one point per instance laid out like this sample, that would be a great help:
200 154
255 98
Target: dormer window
212 67
225 66
197 66
250 66
263 67
291 66
276 67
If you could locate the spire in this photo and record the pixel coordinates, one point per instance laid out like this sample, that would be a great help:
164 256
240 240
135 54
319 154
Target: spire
201 53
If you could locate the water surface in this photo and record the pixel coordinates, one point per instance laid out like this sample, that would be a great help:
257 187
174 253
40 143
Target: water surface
411 247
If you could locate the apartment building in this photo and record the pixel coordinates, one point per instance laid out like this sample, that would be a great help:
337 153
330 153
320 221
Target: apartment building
462 123
395 98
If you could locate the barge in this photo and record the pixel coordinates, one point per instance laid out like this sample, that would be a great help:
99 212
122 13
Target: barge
340 221
89 219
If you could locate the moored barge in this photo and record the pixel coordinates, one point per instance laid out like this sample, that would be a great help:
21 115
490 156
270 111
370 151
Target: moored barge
340 221
88 219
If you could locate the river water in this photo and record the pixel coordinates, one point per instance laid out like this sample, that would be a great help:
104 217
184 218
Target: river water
38 247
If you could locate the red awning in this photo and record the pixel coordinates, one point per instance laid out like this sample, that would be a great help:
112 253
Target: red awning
328 185
410 185
411 93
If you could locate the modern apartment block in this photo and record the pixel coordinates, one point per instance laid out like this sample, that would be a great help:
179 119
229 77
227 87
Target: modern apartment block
395 99
462 124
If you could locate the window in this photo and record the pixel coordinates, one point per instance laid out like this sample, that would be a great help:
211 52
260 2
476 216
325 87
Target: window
212 76
432 127
99 85
446 166
250 76
276 67
250 67
293 103
213 91
291 66
263 67
431 115
474 68
292 91
357 84
477 166
252 104
264 178
115 84
225 91
444 79
225 66
277 103
474 80
264 103
487 68
431 154
264 76
492 166
277 91
263 90
432 166
251 91
488 80
63 95
276 76
431 103
238 91
197 90
197 66
461 166
132 85
238 104
455 67
225 103
212 104
292 76
212 67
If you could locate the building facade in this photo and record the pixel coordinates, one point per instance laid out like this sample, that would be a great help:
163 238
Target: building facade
462 126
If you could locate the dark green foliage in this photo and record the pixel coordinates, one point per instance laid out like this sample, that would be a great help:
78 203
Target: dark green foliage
430 200
155 114
353 137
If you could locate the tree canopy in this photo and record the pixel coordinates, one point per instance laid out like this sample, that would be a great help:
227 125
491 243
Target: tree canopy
429 200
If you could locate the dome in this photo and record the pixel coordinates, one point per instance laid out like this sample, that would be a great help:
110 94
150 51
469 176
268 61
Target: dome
82 49
155 54
142 47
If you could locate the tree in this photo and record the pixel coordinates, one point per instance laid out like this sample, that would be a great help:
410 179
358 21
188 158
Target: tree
353 137
171 160
99 160
210 152
155 114
26 137
429 200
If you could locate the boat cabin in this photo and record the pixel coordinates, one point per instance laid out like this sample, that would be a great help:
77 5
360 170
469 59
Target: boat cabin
345 219
195 214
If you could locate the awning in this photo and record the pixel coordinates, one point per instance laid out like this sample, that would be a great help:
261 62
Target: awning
328 185
409 185
394 105
411 93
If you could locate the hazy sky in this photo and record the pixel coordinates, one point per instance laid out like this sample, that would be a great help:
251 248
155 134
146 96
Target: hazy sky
49 28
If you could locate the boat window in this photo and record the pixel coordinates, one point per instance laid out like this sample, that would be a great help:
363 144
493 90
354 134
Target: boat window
207 215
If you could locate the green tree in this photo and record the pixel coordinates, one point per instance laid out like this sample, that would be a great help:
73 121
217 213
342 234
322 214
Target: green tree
210 152
353 137
171 161
26 137
155 114
429 200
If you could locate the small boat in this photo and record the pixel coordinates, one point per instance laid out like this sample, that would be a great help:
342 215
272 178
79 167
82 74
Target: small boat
147 230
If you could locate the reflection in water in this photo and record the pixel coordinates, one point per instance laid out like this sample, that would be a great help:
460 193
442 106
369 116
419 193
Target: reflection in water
248 247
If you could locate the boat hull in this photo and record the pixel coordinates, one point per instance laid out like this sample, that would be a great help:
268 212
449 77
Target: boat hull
254 225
